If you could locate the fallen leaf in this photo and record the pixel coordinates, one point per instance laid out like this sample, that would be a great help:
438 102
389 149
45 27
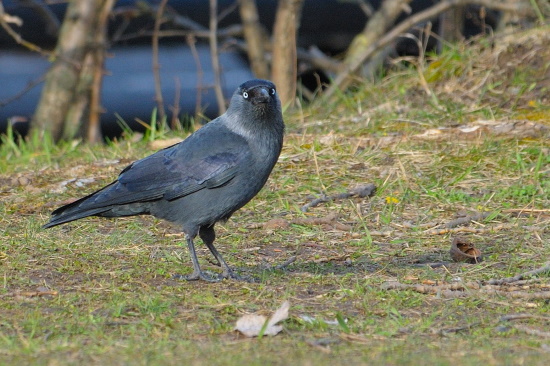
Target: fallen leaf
252 325
464 251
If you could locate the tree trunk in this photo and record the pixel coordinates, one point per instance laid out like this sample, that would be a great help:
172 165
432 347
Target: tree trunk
284 65
255 38
213 40
73 78
451 26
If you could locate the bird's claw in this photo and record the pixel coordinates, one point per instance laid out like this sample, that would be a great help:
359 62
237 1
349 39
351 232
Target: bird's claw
210 278
197 276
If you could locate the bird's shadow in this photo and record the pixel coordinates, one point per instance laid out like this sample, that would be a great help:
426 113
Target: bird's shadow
262 273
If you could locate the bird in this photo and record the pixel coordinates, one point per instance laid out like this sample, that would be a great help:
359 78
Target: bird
200 181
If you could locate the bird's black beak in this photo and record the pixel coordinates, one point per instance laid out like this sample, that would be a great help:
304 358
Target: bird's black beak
260 95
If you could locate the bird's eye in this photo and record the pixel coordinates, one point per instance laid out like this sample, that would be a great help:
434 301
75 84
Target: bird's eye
245 95
272 91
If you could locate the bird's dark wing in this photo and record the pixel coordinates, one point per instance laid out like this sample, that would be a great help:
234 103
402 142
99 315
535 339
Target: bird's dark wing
182 169
170 176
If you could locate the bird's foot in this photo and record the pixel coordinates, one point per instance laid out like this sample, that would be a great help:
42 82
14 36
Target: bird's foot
229 274
198 276
211 277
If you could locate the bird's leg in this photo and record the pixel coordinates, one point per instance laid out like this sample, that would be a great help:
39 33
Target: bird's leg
208 235
197 272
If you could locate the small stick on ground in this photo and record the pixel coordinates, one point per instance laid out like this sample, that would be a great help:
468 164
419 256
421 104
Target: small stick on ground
465 220
521 276
531 331
365 190
522 316
286 263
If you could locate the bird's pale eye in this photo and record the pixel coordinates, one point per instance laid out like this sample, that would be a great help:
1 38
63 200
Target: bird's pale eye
272 91
245 95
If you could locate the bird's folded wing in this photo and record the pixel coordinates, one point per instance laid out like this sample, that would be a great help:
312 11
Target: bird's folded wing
170 176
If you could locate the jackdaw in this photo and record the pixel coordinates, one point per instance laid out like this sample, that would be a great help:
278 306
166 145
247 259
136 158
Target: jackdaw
203 179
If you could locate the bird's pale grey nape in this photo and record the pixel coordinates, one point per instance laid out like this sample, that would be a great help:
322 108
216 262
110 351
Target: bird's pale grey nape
202 180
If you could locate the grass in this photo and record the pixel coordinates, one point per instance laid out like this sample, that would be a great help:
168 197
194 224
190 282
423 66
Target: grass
100 291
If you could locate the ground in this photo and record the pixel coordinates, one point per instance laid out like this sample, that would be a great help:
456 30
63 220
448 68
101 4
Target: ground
457 149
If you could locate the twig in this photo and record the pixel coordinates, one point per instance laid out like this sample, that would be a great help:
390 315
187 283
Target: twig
545 268
214 55
467 219
156 65
464 229
327 220
365 190
46 14
286 263
175 109
459 290
531 331
522 316
200 74
27 88
540 295
5 19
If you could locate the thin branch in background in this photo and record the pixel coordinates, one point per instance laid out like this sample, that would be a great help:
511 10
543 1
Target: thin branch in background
31 84
156 66
5 19
93 128
200 75
366 7
175 109
227 11
52 24
214 55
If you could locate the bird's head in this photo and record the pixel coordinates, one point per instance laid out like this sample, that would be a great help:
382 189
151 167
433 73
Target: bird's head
256 98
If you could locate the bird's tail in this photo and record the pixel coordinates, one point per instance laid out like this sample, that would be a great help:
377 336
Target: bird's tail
73 211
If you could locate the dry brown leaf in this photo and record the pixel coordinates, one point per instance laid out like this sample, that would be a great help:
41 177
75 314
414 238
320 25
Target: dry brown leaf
251 325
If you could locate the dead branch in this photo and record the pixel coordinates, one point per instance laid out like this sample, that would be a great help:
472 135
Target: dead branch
465 220
510 317
531 331
286 263
365 190
214 55
5 19
465 289
317 59
545 268
465 229
329 220
540 295
156 66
